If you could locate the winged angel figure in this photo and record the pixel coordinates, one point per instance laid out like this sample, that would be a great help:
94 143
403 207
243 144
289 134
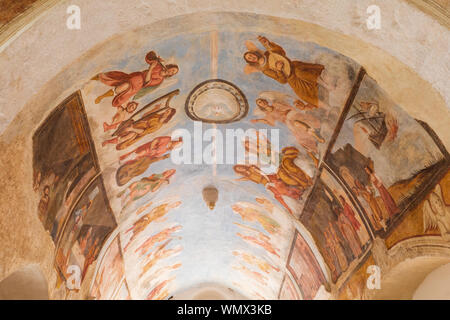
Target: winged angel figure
302 77
436 215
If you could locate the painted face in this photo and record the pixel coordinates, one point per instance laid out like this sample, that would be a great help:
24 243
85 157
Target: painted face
251 57
131 107
370 107
241 170
172 71
261 102
264 105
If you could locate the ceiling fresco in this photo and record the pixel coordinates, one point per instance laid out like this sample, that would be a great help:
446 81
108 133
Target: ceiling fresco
337 164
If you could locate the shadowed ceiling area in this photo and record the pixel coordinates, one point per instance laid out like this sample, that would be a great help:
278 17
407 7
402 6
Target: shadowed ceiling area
27 283
11 9
229 162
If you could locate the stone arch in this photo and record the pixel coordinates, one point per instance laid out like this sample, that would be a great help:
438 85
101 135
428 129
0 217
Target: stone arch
27 283
407 264
435 286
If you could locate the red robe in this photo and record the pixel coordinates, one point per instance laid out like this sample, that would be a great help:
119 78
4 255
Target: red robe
350 214
135 80
153 149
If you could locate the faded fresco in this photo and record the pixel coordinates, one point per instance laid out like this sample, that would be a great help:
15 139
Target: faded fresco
430 218
135 106
152 243
110 282
336 224
386 158
73 206
303 94
344 165
288 291
86 229
305 268
63 162
355 287
263 227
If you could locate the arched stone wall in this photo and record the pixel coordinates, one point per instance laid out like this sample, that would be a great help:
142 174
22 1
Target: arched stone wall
435 286
27 283
407 264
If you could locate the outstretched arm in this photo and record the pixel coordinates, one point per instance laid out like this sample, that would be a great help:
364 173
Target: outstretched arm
153 64
272 46
266 121
137 150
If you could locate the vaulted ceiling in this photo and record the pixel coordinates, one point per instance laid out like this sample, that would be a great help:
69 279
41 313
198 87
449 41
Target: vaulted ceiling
123 162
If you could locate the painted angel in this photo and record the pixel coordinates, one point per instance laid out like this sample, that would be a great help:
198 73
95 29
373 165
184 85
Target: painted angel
273 107
261 149
436 215
301 76
136 84
133 131
121 115
142 187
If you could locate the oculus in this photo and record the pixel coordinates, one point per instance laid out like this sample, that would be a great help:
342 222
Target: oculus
216 101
